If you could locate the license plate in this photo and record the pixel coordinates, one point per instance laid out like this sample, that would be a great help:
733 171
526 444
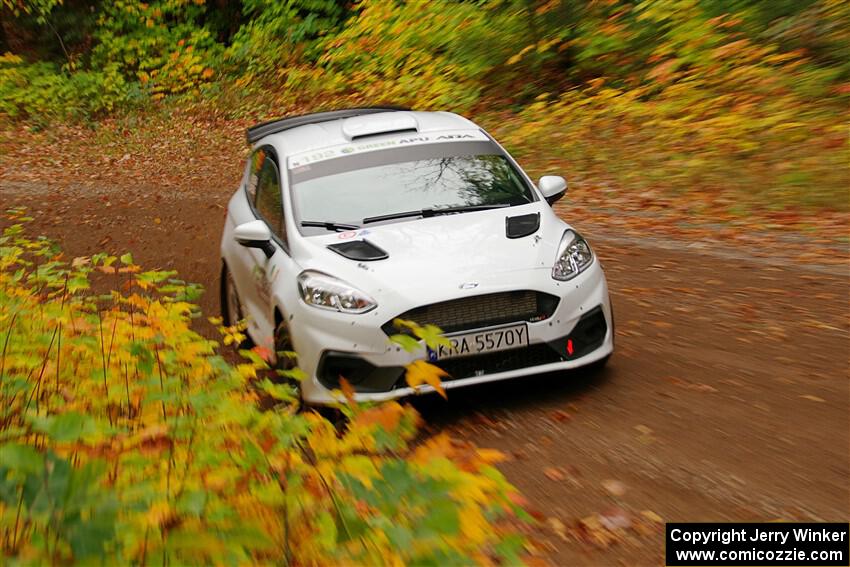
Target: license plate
479 342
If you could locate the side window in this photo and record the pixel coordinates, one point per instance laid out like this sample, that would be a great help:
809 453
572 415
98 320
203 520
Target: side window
268 196
255 164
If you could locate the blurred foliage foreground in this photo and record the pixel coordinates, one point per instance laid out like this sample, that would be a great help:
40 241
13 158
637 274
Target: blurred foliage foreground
745 99
124 439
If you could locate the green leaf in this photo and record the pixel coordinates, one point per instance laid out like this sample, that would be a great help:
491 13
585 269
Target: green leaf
400 536
22 458
144 357
442 517
90 538
78 283
432 335
295 374
254 357
127 259
155 276
327 531
510 549
66 427
192 502
406 342
282 392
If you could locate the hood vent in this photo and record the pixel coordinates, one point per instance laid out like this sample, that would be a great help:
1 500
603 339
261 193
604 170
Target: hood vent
360 250
523 225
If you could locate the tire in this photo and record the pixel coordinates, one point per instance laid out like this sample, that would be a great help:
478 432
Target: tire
283 343
231 307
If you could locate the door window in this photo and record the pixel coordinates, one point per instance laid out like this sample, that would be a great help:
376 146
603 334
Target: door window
269 199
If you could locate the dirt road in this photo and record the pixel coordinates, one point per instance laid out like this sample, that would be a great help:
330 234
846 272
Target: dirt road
727 398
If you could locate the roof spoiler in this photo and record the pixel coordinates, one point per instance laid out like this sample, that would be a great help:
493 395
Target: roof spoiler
264 129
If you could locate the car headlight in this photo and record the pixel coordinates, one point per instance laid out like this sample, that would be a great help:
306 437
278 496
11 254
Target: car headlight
326 292
574 256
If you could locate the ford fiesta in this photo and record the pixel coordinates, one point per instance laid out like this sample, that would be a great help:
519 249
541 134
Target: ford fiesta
348 220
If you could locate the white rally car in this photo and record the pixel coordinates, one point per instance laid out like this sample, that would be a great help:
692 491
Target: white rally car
347 220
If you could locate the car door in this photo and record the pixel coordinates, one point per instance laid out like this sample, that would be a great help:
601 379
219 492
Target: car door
265 272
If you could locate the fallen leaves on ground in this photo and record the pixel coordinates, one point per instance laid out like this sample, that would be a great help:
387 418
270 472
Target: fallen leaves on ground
613 526
561 416
614 487
554 473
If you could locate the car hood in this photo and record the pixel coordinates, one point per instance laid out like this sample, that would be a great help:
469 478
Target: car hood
445 251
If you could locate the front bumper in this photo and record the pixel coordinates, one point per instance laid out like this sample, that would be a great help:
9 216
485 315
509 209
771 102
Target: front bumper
355 346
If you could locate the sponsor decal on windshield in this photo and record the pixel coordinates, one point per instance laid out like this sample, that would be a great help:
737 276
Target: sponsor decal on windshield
301 160
352 233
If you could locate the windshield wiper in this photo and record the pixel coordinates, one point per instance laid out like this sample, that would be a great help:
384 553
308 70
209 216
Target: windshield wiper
425 213
329 225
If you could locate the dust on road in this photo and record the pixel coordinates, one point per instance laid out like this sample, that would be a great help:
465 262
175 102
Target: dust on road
726 400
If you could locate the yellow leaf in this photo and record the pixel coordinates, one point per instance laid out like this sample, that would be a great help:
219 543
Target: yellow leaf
473 524
246 370
652 516
158 513
421 372
360 467
491 456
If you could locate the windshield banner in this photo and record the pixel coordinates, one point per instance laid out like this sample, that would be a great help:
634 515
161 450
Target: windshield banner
402 141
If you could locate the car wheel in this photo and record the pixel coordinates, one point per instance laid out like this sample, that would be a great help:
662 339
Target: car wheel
231 307
283 343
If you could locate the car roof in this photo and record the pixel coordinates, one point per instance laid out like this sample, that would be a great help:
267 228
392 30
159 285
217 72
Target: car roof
372 124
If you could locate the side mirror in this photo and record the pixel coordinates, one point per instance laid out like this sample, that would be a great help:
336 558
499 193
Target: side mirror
255 234
553 187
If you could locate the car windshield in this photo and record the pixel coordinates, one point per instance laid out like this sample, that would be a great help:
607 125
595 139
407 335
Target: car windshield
352 189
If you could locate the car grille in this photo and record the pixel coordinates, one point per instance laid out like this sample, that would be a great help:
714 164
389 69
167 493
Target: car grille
481 311
503 361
